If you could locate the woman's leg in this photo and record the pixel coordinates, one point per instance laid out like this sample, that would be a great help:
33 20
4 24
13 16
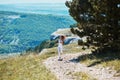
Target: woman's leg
59 51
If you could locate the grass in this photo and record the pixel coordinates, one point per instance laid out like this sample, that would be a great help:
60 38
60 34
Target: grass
74 48
115 64
83 76
28 67
111 60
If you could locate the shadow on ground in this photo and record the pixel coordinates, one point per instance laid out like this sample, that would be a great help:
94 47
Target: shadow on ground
100 57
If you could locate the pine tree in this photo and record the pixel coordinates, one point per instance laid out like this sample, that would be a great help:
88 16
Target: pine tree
99 21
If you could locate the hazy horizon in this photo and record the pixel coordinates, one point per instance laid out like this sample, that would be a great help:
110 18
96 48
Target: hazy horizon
30 1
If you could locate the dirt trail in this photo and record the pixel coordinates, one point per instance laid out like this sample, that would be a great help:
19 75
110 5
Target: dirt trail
64 69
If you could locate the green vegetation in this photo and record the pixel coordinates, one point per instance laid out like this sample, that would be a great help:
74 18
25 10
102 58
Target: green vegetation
45 44
31 66
70 48
29 29
83 76
99 21
27 67
111 60
115 64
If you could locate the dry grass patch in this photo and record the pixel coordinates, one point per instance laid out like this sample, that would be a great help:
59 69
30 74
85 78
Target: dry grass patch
83 76
115 64
111 60
29 67
74 48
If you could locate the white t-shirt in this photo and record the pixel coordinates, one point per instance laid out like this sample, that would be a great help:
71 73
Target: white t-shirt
60 43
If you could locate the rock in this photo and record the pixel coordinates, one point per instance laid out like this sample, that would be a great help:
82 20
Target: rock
70 37
43 51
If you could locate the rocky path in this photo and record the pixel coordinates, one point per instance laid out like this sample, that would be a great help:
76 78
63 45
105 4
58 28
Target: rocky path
64 69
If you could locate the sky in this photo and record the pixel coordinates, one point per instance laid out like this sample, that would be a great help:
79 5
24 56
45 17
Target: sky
31 1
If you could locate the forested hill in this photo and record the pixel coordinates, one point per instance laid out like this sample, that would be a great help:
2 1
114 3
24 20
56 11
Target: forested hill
21 31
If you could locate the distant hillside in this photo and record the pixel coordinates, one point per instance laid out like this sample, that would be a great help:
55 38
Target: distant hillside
21 31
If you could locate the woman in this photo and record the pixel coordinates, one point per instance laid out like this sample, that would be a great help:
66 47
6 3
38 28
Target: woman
60 47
